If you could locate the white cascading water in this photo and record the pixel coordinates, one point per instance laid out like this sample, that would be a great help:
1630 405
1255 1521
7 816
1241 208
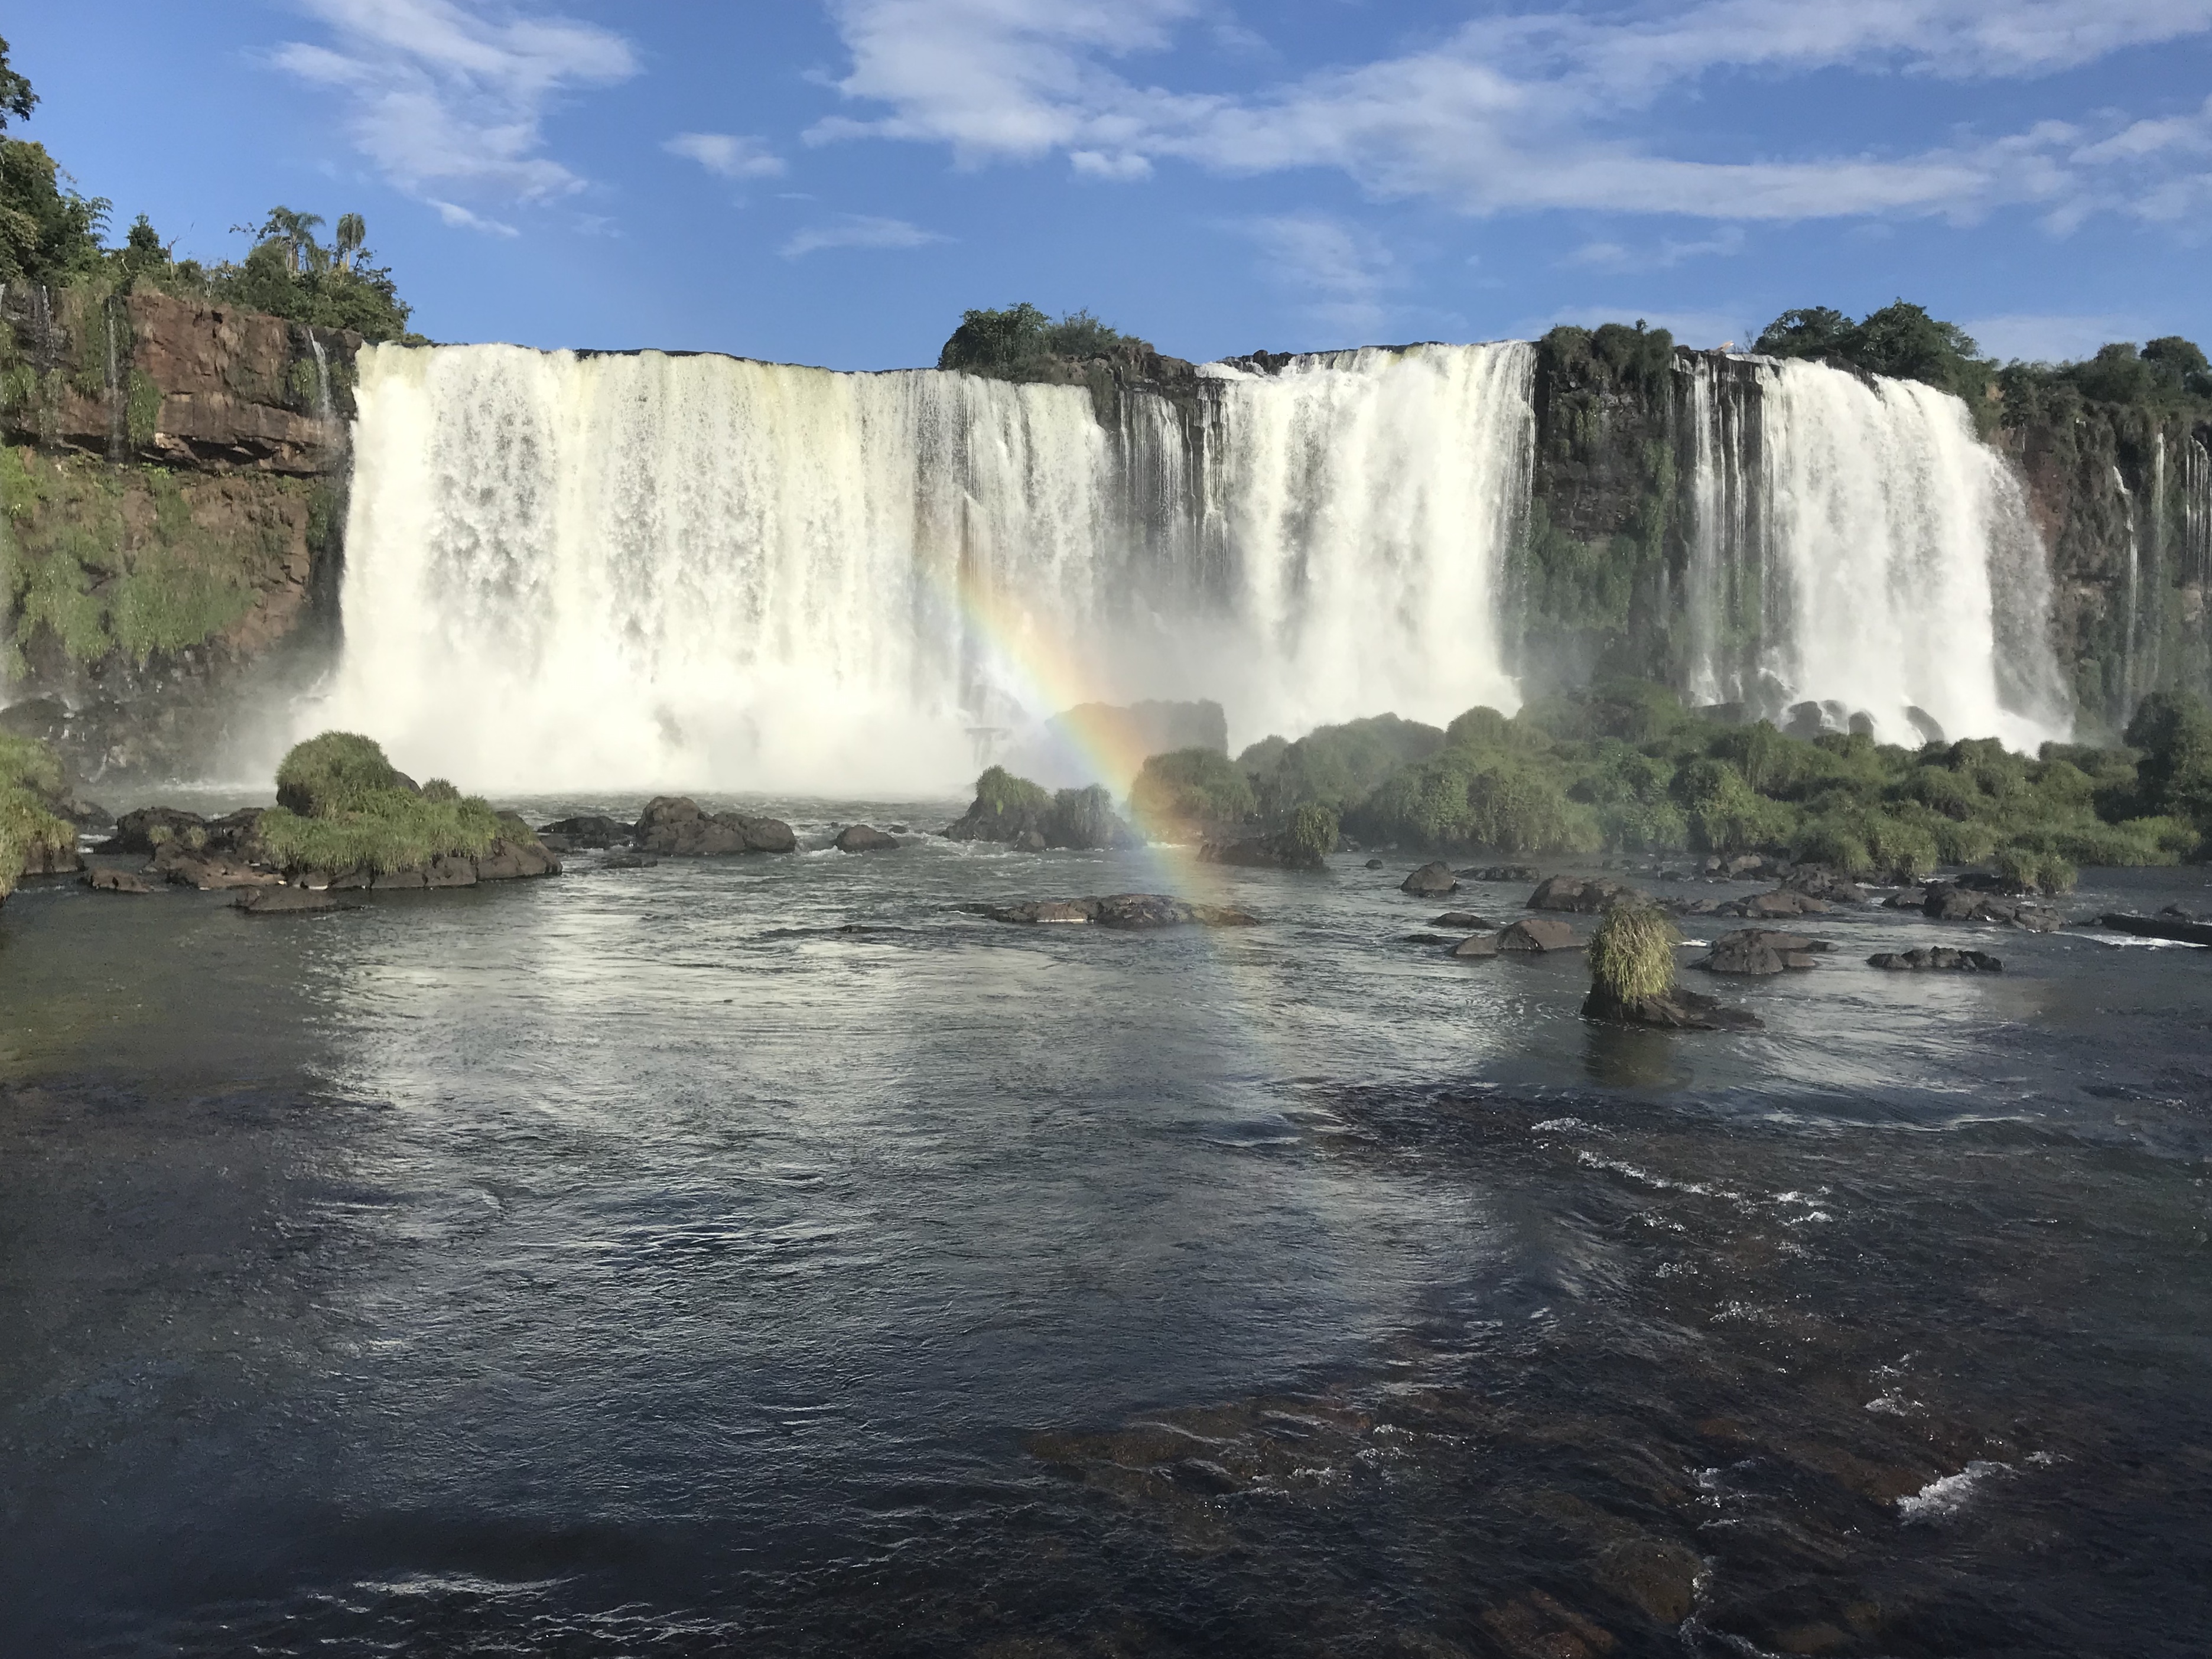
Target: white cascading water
1888 562
570 571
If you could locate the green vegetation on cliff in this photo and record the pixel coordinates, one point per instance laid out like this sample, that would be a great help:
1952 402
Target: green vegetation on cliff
1190 788
30 777
1018 343
1901 341
343 806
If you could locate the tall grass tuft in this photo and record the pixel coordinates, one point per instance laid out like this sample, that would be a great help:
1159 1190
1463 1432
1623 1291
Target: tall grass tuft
1632 954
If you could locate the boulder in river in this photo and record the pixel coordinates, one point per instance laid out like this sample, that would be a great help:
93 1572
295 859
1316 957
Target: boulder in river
1936 958
105 880
1583 895
1432 880
590 830
1477 944
1500 872
287 901
1675 1010
1467 920
1538 933
864 838
1762 951
675 825
1128 911
1950 901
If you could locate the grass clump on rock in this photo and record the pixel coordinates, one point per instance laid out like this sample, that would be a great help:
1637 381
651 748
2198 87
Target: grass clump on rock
1632 956
342 807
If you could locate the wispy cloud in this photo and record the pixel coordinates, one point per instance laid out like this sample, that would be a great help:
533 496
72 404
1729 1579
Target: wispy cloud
1612 256
859 230
1342 271
727 155
445 100
1531 111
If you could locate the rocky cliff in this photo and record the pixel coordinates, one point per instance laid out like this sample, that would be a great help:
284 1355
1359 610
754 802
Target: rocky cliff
171 515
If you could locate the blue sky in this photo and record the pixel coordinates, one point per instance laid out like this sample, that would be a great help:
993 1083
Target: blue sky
833 183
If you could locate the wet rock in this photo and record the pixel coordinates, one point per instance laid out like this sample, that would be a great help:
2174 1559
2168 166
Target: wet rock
1423 938
1432 880
675 825
1501 873
1373 864
1128 911
1463 920
1818 881
1937 959
1762 951
116 881
508 860
863 838
1907 898
210 871
148 828
286 902
1028 840
1583 895
629 861
2171 923
1477 944
1778 905
1949 902
592 830
1677 1010
899 830
1538 933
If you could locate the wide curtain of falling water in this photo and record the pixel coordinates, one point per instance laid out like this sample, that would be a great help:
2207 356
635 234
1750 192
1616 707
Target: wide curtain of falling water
1853 542
568 571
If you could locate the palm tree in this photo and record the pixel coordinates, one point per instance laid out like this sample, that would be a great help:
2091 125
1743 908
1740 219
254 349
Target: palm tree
351 233
296 231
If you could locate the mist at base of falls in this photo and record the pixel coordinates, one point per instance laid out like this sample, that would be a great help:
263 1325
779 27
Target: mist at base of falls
704 573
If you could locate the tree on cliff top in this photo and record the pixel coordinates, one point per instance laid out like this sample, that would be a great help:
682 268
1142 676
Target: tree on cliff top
1900 341
47 234
16 98
1014 344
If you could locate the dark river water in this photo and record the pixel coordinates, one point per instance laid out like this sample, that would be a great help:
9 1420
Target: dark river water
764 1257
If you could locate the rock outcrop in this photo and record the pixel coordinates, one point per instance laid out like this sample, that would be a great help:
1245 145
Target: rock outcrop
1676 1010
1583 895
1131 911
864 838
1761 951
1939 959
675 825
1432 880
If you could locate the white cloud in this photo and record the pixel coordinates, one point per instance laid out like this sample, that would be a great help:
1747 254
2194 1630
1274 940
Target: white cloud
727 155
446 100
461 219
2051 339
1520 112
859 230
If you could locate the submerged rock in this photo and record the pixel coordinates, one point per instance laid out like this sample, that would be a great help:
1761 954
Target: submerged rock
1432 880
1676 1010
1538 933
629 861
116 881
2171 923
1818 881
287 901
1132 911
1499 873
1583 895
1937 959
675 825
1762 951
863 838
1950 901
1373 863
1463 920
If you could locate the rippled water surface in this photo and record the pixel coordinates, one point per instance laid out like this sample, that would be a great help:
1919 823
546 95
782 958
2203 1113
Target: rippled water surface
763 1255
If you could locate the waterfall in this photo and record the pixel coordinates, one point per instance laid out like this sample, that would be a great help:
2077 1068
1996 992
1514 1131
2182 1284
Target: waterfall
1852 542
569 570
324 411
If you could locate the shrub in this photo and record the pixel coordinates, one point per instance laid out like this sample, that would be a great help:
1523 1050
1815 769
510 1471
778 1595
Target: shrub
1972 842
30 776
1339 766
2033 867
2173 730
1311 836
1191 786
1632 954
1516 808
337 772
341 806
1002 794
1726 814
1083 819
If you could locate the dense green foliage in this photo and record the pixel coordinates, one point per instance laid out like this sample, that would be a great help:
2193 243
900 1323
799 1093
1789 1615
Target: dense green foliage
1018 343
1901 341
30 776
1000 794
1623 767
342 807
1190 788
1337 766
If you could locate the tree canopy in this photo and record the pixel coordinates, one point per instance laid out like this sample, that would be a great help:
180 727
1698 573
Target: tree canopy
1901 341
1015 343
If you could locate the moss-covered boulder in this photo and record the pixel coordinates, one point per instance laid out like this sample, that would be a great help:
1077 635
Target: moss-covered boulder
347 818
34 838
